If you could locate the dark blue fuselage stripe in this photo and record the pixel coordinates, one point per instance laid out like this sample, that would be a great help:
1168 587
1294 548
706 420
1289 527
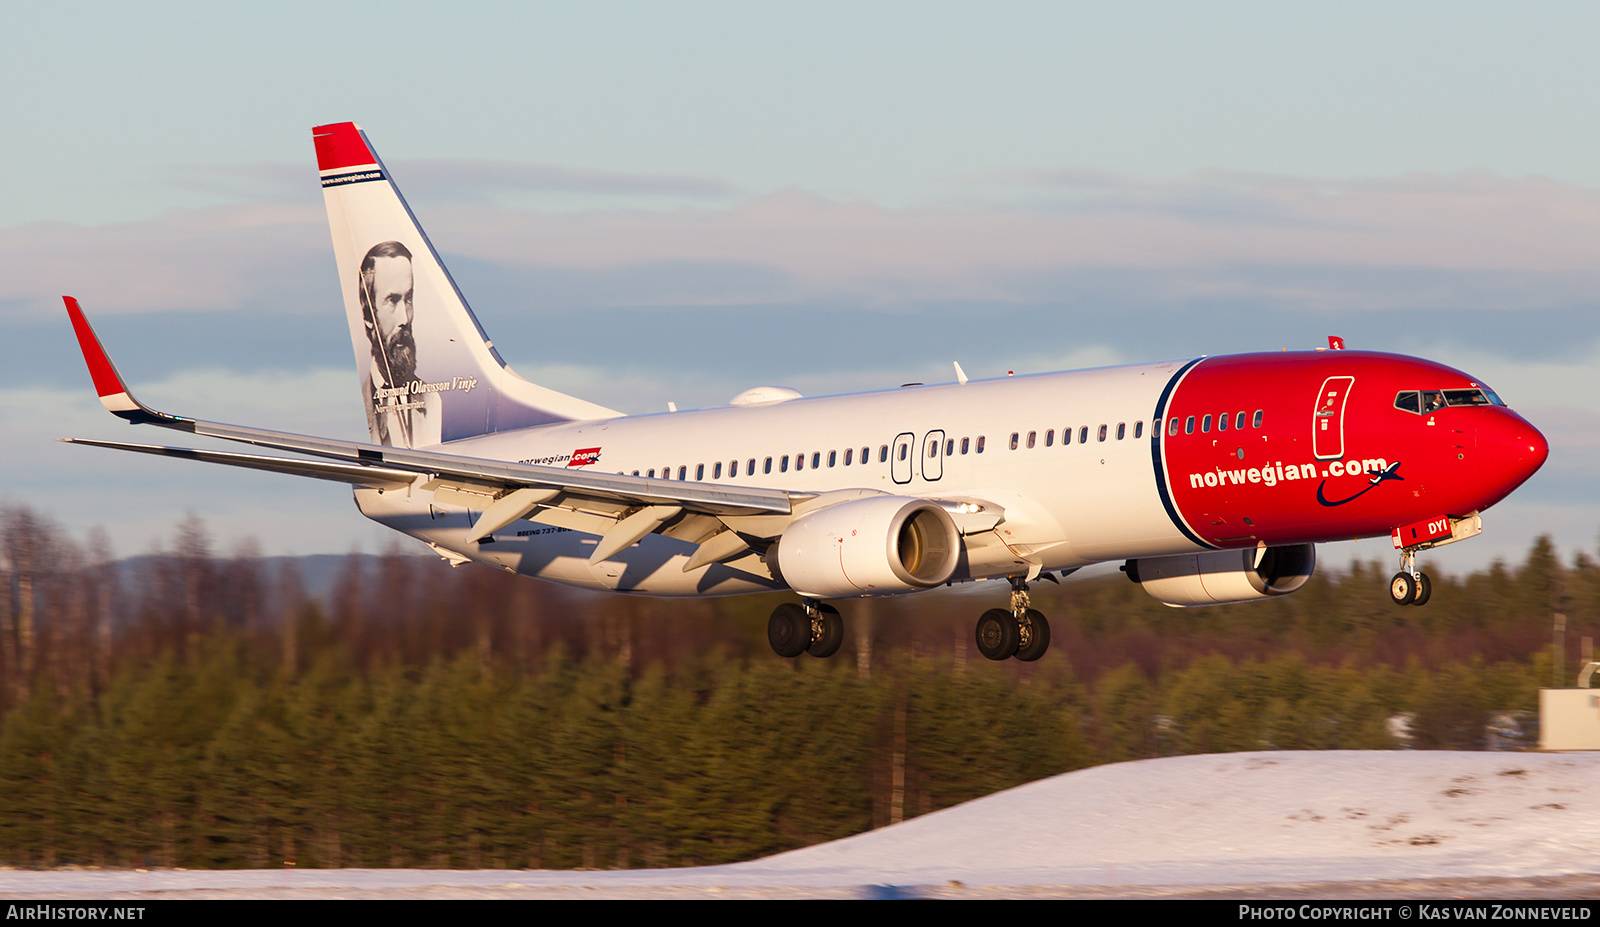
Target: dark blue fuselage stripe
362 176
1157 435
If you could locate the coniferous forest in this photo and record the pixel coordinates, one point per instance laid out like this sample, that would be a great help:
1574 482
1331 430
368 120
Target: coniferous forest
199 709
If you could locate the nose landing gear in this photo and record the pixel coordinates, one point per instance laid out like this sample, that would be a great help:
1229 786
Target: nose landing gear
1410 586
808 627
1021 632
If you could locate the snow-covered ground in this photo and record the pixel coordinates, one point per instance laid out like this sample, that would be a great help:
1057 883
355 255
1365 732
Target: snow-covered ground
1245 823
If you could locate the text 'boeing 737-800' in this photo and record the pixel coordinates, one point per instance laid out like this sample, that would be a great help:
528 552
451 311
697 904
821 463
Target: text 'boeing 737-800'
1212 478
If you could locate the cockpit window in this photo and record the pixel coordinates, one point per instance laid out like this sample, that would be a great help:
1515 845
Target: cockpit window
1426 401
1465 397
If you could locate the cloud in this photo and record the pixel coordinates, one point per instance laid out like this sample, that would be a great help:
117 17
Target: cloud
447 180
221 257
1472 241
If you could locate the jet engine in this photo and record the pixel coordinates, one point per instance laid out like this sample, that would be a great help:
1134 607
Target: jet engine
873 546
1224 576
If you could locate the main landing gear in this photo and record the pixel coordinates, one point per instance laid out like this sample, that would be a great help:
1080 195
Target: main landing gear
807 627
1410 586
1021 632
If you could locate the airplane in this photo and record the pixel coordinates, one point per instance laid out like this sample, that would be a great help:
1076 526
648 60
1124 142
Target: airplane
1212 478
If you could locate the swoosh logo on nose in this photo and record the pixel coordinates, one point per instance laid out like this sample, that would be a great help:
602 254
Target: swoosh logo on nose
1389 473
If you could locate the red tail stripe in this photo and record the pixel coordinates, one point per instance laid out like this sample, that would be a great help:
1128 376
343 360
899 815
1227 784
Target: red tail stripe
340 145
106 380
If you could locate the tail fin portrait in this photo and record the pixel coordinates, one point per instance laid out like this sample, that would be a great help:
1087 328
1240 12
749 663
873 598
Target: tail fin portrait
428 372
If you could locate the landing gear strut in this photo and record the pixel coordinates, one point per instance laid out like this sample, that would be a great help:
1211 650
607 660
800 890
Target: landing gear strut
1410 586
1021 632
807 627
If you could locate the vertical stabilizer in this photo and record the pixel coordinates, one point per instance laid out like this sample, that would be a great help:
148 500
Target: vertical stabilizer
428 372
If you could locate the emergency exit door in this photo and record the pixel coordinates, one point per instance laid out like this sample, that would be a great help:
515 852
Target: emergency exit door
900 457
933 455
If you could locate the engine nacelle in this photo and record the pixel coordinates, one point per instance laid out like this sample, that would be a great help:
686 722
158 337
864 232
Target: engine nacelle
874 546
1224 576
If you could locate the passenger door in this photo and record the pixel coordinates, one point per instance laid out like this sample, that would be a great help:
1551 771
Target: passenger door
1327 423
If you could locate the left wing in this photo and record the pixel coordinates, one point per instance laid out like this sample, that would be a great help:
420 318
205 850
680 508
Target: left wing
621 509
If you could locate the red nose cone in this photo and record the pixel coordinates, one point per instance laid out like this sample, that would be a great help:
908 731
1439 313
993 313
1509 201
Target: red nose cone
1510 450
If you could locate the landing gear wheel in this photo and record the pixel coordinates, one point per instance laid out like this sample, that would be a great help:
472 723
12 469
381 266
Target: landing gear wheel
998 634
789 630
1034 639
1424 589
827 632
1403 589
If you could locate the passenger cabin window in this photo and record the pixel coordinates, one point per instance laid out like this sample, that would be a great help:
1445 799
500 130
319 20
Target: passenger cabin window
1083 435
1013 440
866 454
1222 422
949 447
1122 430
1066 436
716 471
1205 424
1103 431
799 462
1033 438
849 452
966 444
1238 421
783 465
1256 422
651 474
1172 425
833 458
1188 425
766 467
883 454
1138 429
700 471
980 444
750 466
816 459
933 448
683 473
1050 437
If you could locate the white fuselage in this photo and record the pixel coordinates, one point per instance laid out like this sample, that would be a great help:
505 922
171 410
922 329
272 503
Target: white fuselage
1066 502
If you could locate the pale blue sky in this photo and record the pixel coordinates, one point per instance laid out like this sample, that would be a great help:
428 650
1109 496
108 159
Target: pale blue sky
106 103
1018 185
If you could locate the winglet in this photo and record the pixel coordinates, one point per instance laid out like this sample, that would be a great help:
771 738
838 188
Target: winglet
108 383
